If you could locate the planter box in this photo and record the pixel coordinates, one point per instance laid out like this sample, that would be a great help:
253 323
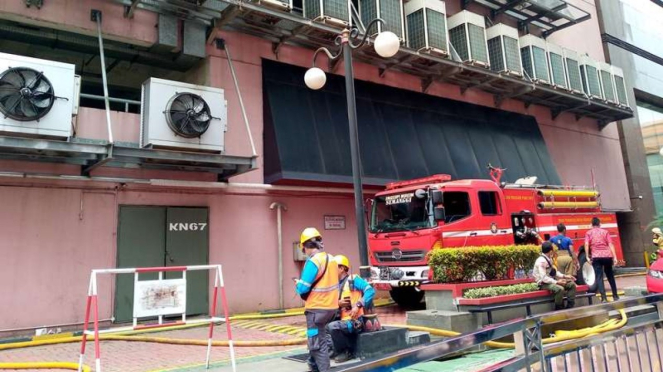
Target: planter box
458 288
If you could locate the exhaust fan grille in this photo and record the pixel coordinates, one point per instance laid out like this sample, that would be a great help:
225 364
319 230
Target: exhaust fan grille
188 115
25 94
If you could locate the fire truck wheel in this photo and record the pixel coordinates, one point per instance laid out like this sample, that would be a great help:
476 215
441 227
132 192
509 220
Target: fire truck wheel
406 297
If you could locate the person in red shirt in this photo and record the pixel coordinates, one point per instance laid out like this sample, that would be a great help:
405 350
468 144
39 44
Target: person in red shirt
601 253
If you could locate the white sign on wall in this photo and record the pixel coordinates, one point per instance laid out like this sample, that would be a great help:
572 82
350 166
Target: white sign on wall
334 222
159 297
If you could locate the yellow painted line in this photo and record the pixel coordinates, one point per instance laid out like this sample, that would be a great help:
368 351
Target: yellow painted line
53 336
280 329
225 360
294 331
251 323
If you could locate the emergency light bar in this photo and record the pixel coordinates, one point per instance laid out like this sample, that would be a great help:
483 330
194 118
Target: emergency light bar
437 178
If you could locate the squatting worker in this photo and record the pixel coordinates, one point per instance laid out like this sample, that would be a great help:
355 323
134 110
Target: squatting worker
547 277
601 253
567 261
355 296
318 287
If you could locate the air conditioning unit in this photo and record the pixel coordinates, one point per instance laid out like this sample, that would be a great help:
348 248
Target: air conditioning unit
467 34
557 66
607 83
620 86
572 67
390 11
285 6
37 97
182 116
427 26
589 72
535 59
504 49
332 12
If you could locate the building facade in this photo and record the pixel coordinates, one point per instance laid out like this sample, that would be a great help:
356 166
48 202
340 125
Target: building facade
75 204
631 35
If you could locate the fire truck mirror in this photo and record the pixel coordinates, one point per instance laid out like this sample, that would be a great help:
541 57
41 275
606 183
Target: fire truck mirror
438 213
437 197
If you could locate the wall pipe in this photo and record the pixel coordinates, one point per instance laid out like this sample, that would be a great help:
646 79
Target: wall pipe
280 207
239 96
96 16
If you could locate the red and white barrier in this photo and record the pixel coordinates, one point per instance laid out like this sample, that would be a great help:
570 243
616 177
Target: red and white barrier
92 306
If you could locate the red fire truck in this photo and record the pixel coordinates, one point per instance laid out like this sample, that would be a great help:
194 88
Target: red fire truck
410 218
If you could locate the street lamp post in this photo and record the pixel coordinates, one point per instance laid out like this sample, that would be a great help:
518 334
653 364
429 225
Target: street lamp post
386 45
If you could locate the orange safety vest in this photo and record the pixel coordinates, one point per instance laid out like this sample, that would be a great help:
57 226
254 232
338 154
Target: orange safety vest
324 295
354 295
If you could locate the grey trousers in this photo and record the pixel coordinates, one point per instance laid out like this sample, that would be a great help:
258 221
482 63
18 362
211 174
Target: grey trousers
316 330
343 335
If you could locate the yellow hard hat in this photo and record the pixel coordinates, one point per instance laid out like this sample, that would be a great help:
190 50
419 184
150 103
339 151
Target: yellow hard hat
341 260
308 234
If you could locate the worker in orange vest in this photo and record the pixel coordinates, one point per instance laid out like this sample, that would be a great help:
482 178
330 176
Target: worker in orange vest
318 287
355 295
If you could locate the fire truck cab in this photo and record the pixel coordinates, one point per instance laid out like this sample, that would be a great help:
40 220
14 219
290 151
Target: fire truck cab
410 218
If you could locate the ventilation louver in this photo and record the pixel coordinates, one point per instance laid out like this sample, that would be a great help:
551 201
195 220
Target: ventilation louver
467 34
620 86
557 66
390 11
333 12
607 84
589 72
427 26
504 49
572 65
534 58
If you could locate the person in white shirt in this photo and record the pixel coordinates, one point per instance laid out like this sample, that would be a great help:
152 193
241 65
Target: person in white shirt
547 277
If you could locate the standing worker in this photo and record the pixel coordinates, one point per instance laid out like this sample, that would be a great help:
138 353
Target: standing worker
356 295
318 287
567 261
601 253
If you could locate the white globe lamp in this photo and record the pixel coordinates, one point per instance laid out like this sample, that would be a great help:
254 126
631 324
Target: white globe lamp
387 44
315 78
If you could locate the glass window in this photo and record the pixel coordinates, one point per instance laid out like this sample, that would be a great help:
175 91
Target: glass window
489 203
651 124
398 212
456 206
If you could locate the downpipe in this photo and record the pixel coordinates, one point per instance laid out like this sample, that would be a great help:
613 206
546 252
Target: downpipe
280 207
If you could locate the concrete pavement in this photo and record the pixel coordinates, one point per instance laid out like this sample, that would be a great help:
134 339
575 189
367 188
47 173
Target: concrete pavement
124 356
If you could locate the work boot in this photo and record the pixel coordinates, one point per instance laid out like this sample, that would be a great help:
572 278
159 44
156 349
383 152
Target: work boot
342 357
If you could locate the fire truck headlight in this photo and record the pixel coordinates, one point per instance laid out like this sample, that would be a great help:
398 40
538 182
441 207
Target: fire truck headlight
424 274
656 274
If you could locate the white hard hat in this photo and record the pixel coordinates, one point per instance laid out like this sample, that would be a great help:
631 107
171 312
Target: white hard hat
656 231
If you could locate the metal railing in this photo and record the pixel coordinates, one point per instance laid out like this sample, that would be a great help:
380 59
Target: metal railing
584 354
126 102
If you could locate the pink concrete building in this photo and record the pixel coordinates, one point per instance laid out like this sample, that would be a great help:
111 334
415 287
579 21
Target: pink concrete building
64 214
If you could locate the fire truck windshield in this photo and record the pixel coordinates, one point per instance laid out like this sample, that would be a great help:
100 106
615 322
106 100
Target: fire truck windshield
399 212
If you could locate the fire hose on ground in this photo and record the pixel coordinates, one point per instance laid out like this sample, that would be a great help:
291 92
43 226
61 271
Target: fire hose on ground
609 325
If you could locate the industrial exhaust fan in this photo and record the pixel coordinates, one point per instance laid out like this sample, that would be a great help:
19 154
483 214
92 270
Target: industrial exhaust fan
182 116
37 97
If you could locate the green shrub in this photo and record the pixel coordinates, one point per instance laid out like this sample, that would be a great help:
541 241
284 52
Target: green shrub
453 265
499 291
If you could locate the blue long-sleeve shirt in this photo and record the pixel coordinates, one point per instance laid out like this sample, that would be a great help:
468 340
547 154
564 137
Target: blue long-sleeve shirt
308 276
367 290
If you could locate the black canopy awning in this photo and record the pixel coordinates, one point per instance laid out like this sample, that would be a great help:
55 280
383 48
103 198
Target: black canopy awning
402 134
